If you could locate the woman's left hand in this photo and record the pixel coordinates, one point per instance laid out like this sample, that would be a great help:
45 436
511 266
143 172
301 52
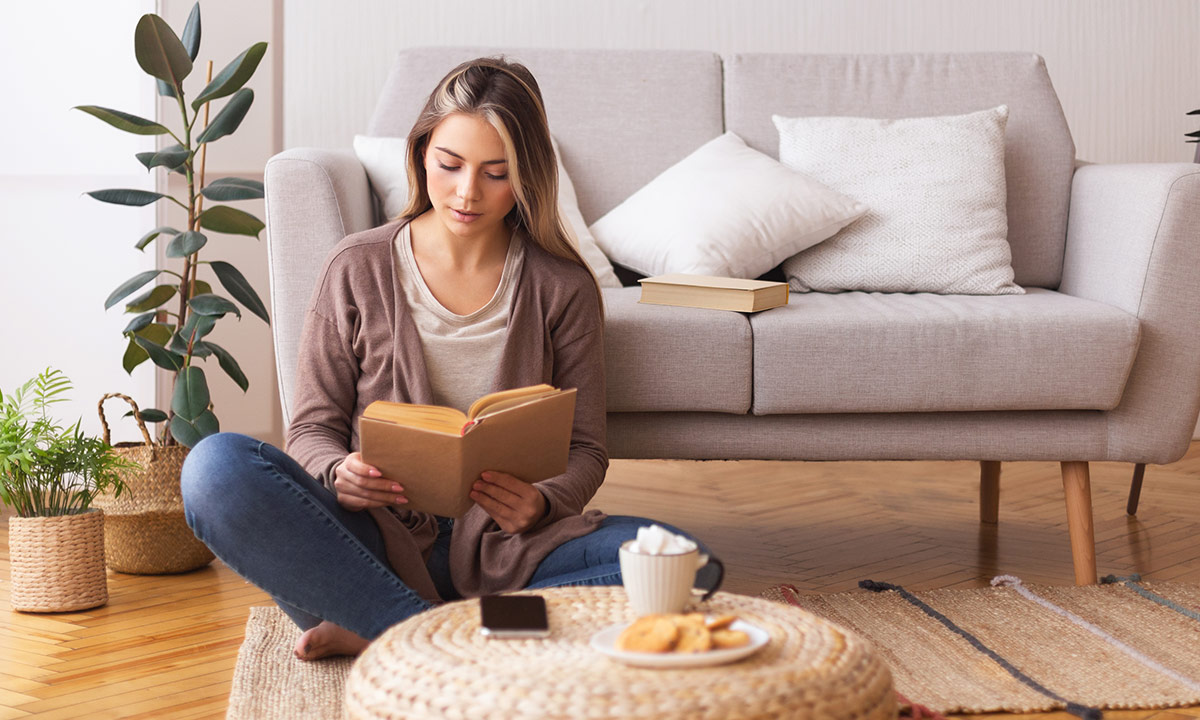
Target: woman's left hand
514 504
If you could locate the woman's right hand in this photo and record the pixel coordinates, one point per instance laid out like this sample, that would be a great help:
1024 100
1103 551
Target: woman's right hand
360 486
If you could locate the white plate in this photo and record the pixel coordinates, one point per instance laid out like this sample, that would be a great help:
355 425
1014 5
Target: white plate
605 642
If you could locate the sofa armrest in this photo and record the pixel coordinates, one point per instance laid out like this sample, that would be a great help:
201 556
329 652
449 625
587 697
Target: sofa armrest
1133 241
314 198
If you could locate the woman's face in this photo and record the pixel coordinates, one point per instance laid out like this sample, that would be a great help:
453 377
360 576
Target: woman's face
467 176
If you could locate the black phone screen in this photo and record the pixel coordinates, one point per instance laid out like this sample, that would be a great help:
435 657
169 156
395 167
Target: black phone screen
513 616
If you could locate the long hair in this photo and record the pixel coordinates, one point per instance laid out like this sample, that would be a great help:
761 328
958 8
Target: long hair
505 95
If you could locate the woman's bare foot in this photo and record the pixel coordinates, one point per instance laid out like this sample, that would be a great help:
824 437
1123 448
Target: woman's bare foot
329 639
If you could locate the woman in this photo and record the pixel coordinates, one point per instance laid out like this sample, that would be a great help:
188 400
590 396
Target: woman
474 288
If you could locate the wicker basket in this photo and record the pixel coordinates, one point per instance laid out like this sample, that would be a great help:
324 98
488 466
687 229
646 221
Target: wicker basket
145 531
57 562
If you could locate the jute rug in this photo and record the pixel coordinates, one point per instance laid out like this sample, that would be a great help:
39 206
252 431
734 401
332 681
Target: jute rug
1125 644
1014 648
269 683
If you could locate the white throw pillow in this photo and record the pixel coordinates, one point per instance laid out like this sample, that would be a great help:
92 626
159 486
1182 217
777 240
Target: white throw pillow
384 160
936 190
725 210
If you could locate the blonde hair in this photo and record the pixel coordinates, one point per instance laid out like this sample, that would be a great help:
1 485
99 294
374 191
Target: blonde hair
505 95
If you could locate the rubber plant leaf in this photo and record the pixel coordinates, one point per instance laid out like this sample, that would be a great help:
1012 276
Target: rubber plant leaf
237 285
159 51
233 76
124 121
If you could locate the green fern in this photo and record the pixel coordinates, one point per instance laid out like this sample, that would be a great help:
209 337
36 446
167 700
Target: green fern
47 468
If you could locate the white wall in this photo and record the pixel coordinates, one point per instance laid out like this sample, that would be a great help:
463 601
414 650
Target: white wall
1125 71
63 251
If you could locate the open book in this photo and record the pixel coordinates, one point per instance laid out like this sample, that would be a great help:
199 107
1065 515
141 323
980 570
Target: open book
715 293
437 453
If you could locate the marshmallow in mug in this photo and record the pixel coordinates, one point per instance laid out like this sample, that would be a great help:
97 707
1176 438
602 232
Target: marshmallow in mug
657 540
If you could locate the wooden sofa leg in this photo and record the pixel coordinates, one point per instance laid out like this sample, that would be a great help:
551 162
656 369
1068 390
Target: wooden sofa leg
1077 485
1135 489
989 491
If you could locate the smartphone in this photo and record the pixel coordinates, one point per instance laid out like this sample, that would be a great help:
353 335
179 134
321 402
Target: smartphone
513 616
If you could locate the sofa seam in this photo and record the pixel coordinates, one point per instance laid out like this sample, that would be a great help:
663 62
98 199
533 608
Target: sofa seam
1157 234
1108 435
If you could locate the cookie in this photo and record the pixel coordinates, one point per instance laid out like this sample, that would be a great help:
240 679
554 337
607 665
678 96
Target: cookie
652 633
721 622
693 636
722 639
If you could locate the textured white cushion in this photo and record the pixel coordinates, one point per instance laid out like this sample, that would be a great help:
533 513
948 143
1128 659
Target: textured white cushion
384 160
725 210
936 190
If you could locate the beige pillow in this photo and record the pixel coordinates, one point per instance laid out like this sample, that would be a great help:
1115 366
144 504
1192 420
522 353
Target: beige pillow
384 160
936 191
725 210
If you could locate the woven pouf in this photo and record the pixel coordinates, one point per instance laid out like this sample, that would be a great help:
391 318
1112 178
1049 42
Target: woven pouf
437 665
57 562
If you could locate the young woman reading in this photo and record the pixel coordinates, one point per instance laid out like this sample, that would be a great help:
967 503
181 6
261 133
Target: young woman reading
474 288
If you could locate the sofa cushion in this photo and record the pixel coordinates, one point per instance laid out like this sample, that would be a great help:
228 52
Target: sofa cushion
660 358
876 352
1039 154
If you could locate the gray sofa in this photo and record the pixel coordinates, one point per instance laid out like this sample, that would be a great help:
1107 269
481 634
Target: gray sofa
1099 360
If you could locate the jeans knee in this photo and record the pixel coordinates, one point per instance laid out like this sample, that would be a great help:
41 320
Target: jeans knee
212 469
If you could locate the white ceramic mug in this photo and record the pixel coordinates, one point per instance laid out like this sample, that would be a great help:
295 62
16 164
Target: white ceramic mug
663 583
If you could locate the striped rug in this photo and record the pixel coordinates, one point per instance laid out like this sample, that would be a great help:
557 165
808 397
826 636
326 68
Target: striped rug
1124 644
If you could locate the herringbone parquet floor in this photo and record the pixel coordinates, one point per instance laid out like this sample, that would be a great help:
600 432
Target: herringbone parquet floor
165 647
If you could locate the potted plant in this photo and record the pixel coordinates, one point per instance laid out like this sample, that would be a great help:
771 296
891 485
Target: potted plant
175 311
49 474
174 338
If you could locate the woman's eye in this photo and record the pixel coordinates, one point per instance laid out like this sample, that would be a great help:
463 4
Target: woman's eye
447 167
497 177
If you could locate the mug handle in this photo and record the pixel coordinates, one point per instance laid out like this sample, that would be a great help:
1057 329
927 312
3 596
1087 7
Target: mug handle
708 592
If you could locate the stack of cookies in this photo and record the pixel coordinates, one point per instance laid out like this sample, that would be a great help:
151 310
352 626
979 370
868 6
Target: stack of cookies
681 633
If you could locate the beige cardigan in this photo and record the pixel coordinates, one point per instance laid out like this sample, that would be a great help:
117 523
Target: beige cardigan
360 344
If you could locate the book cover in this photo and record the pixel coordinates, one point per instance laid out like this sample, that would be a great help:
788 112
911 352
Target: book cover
437 461
714 293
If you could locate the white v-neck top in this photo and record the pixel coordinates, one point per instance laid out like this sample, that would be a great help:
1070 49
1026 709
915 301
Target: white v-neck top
461 352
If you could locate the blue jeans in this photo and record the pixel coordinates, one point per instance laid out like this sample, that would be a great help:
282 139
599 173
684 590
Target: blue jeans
281 529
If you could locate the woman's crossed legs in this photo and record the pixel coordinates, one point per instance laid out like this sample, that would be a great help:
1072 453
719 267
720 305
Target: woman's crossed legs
279 528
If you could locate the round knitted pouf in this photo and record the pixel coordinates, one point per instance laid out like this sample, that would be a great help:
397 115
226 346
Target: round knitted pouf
438 665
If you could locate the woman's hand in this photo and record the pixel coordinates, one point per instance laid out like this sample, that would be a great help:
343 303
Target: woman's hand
360 486
514 504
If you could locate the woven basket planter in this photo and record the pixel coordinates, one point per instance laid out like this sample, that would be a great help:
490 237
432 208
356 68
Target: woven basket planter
57 562
145 530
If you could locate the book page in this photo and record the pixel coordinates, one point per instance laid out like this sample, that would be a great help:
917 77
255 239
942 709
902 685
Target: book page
429 417
492 402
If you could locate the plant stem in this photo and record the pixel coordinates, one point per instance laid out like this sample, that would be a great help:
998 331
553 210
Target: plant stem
185 288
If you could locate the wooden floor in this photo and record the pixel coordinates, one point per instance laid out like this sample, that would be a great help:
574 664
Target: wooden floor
165 647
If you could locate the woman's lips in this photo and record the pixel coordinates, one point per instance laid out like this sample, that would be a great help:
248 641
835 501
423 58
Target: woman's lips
464 217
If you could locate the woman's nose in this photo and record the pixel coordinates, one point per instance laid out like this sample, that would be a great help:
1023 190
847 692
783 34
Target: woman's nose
468 187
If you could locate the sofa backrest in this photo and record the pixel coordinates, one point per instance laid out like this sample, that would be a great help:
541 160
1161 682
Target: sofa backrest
1039 153
620 117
